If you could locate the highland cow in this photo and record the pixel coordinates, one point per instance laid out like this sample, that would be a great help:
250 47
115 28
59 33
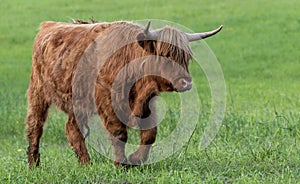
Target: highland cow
58 50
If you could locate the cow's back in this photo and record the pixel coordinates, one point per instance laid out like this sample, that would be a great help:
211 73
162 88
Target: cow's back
58 48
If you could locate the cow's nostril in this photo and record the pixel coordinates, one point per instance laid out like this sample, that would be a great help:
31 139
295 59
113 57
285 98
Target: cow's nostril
183 83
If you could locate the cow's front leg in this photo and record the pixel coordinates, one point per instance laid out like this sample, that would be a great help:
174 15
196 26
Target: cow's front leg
144 114
147 139
118 137
148 131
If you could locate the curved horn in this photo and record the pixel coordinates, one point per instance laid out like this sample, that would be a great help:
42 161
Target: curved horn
150 35
199 36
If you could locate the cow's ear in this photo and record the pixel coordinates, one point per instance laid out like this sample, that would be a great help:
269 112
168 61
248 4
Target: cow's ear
146 44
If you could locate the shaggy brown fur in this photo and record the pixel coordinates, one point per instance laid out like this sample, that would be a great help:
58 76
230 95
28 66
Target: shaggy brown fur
58 49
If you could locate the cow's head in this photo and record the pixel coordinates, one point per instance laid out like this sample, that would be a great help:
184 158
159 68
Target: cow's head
171 55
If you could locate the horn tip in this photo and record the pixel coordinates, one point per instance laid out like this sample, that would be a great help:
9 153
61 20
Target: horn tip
220 27
148 24
146 30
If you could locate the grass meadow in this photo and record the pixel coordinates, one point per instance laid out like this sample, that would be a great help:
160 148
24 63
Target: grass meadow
258 50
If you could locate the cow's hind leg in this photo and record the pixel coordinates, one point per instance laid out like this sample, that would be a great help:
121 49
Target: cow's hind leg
36 117
76 140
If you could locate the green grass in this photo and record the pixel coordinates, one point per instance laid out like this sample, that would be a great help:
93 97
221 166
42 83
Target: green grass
258 49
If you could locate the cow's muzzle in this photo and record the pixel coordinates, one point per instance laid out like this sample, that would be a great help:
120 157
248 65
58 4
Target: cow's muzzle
183 84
